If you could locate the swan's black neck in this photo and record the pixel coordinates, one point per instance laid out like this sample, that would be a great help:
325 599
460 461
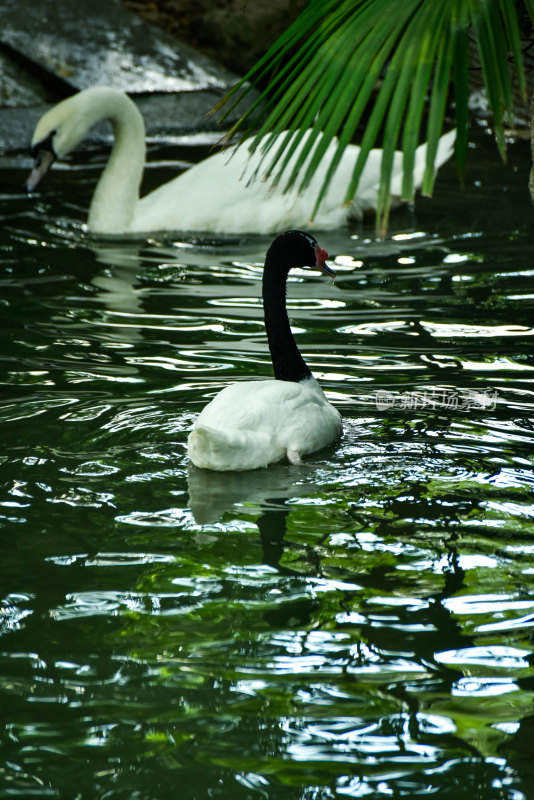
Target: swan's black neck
288 363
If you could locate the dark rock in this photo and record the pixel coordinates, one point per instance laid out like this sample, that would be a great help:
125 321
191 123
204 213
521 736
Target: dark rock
235 32
51 48
88 42
17 88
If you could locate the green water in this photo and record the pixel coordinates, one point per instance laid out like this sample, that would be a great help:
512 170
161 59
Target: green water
360 626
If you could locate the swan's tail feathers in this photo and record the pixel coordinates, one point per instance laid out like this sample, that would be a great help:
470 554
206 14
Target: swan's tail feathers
293 456
443 153
230 449
366 198
445 147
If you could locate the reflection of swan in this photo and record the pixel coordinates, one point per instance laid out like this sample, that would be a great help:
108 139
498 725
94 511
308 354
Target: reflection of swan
213 195
213 493
255 423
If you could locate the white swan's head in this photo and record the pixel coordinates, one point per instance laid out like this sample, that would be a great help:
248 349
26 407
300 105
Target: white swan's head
64 126
56 134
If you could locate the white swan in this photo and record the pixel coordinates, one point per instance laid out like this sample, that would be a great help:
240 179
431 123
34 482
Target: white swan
215 194
255 423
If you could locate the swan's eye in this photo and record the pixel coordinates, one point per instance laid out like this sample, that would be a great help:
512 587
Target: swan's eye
310 239
44 144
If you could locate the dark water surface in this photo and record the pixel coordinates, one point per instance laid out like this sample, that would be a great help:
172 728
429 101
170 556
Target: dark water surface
360 626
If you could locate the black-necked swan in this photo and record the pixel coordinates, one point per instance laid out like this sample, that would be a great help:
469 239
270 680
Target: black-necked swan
214 195
255 423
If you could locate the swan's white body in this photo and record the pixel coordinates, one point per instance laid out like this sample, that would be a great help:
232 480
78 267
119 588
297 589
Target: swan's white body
215 195
255 423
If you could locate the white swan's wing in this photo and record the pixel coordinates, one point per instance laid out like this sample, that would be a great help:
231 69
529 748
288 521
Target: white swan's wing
226 193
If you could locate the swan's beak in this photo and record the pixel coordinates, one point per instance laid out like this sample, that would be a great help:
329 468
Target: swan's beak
43 161
326 270
320 262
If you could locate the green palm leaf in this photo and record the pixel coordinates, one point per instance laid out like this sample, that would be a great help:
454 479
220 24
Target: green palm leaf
388 67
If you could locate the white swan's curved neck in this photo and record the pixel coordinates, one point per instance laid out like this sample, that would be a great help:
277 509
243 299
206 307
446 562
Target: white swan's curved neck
117 192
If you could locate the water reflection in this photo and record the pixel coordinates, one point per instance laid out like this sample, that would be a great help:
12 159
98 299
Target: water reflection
212 493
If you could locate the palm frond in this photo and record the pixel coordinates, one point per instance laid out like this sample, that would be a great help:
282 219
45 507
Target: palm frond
384 67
